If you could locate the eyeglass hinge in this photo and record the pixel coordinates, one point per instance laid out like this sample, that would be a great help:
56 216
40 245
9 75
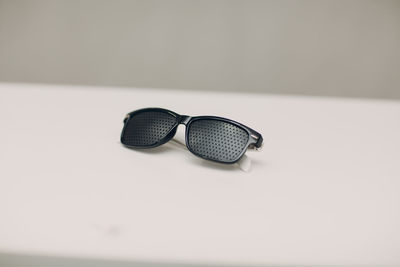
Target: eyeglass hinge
127 117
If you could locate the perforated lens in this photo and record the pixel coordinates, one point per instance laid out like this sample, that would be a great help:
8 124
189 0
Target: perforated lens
217 140
147 128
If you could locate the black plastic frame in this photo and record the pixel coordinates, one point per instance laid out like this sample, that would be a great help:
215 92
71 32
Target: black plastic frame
254 141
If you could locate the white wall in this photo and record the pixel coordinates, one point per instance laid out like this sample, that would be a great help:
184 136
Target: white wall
331 47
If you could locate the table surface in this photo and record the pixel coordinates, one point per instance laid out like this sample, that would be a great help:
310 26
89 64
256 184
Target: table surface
324 190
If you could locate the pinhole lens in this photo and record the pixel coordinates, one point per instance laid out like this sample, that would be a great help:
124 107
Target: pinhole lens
217 140
147 128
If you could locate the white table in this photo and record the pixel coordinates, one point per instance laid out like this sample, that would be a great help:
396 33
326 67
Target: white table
324 191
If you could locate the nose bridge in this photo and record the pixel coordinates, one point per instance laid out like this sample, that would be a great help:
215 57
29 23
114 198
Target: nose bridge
184 119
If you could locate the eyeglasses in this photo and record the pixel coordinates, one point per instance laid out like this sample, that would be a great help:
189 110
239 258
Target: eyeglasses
211 138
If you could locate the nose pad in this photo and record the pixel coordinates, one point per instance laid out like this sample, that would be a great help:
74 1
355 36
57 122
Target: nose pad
171 134
180 136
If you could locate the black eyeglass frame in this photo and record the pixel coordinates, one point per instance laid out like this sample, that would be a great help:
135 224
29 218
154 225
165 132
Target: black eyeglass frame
255 139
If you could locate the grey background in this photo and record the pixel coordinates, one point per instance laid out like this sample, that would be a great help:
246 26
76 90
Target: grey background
326 47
